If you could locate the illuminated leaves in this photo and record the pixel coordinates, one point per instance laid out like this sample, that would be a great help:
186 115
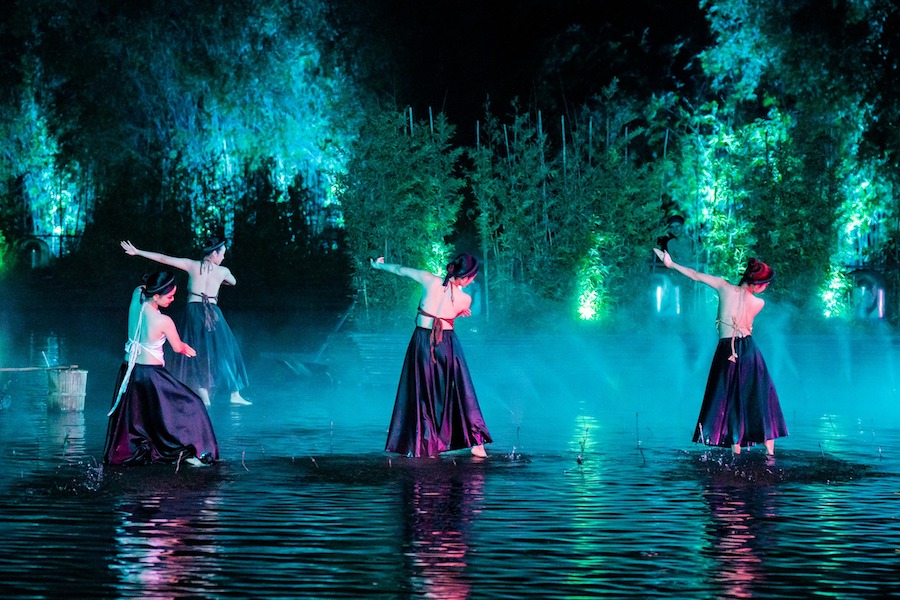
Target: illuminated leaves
400 197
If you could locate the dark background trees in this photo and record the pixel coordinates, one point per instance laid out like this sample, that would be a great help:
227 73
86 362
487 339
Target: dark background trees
552 138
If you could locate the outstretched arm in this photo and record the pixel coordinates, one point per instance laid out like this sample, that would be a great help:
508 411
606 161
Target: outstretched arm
415 274
710 280
178 263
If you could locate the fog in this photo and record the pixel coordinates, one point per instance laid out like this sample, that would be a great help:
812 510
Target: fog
591 480
558 390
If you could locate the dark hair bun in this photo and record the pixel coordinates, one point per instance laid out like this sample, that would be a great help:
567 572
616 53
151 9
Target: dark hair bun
757 272
463 265
158 282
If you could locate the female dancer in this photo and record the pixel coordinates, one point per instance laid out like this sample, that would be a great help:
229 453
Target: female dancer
436 408
155 417
740 406
219 364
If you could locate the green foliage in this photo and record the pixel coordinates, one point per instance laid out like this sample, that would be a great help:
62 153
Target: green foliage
40 194
400 199
123 121
888 258
782 142
186 110
836 294
4 255
758 194
566 224
512 183
624 216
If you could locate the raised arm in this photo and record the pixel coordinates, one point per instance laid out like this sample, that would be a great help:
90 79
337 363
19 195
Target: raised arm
710 280
178 263
415 274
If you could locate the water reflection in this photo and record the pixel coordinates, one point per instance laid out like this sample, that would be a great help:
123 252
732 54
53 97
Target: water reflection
66 435
166 546
739 531
304 506
586 437
442 501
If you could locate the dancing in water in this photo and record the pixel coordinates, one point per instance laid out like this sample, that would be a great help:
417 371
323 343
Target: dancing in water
154 416
219 366
436 409
740 405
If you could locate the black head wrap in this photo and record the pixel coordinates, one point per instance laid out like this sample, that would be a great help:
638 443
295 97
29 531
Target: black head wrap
212 244
757 272
462 266
158 282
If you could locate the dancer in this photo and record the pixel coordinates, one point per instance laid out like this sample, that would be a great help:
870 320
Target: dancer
154 417
740 406
436 408
219 365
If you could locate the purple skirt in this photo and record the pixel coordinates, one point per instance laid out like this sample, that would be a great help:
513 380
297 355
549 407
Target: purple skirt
740 405
219 365
159 419
436 408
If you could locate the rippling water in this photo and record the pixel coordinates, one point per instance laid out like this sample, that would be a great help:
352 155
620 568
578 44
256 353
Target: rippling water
591 489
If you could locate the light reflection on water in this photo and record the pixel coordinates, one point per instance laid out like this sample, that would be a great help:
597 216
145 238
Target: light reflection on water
304 504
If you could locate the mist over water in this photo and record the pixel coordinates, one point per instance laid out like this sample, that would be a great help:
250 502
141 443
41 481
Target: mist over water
592 485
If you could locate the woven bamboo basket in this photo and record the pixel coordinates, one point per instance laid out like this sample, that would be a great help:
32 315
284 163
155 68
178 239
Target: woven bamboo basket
66 389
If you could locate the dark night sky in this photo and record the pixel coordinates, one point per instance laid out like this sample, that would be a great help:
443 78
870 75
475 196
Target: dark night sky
454 53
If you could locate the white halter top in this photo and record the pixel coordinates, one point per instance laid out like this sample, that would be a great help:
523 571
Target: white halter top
133 349
154 349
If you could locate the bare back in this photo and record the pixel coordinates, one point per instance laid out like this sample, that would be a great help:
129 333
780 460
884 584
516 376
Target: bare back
206 278
737 309
146 325
445 302
438 301
738 305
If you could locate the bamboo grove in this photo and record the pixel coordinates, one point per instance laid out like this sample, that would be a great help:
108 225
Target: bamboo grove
271 120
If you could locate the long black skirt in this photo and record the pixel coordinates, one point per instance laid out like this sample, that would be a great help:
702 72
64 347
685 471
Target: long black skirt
436 407
219 365
159 419
740 406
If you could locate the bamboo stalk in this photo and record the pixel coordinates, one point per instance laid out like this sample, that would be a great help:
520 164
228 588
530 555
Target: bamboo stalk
562 127
506 141
544 215
590 141
662 182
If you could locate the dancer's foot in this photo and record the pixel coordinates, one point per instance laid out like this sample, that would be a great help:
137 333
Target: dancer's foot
736 448
236 398
770 447
195 462
479 451
204 395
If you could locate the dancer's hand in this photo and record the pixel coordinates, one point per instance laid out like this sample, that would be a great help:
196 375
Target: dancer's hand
376 261
129 248
188 351
664 256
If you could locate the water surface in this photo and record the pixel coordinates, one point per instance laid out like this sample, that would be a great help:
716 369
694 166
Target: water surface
592 487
